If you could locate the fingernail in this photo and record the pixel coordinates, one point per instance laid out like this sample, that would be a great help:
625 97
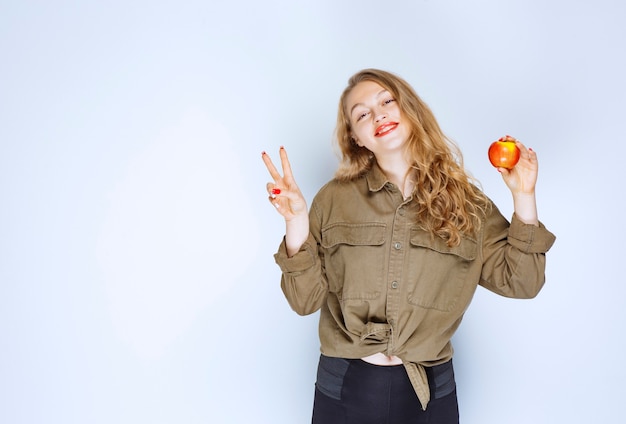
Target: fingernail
276 205
282 147
275 191
263 153
530 148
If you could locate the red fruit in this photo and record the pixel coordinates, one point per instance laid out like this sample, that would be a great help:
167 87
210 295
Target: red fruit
504 153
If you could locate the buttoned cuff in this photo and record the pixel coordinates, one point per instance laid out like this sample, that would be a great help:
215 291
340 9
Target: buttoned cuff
301 261
530 238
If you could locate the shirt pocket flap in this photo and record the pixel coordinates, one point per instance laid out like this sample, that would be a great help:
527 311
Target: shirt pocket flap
467 249
364 234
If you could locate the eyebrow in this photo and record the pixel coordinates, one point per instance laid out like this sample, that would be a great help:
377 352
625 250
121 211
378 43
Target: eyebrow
381 92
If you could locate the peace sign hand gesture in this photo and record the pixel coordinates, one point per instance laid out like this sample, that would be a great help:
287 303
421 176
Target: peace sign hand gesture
288 200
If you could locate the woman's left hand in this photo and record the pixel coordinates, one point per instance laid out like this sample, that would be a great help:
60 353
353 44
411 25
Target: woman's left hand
522 178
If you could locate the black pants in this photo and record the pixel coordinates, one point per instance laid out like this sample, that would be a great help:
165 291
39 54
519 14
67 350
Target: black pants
352 391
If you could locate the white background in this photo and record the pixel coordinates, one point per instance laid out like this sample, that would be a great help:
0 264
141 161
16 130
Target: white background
137 283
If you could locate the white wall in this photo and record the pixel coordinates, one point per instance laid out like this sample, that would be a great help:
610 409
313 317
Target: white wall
137 283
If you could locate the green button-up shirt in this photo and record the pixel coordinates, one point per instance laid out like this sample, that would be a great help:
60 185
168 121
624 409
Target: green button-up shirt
383 284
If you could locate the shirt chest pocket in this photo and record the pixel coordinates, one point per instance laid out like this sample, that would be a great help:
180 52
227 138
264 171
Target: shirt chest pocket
439 273
354 258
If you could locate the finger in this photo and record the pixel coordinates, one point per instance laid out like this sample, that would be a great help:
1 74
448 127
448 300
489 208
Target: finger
526 152
521 146
276 205
284 159
270 166
272 190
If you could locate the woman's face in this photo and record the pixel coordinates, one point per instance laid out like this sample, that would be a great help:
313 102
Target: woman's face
376 119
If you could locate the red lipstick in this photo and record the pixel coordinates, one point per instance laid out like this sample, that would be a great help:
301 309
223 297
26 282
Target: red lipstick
385 129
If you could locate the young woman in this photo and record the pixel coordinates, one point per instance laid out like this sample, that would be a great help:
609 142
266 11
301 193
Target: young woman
391 252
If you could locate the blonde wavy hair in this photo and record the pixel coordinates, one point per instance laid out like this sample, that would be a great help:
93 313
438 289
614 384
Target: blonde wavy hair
450 204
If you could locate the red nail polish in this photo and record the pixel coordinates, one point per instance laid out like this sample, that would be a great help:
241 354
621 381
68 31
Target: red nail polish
275 191
263 153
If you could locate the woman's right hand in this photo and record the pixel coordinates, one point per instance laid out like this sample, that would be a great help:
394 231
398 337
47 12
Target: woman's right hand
288 200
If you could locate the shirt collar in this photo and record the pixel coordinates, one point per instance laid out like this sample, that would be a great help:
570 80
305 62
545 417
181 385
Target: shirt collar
376 178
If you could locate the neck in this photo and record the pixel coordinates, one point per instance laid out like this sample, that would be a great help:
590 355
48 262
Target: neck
399 172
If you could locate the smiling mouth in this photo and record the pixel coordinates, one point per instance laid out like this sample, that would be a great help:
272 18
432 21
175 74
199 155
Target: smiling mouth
385 129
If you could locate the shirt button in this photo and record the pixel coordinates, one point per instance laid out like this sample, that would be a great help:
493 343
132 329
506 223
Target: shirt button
401 212
397 245
394 285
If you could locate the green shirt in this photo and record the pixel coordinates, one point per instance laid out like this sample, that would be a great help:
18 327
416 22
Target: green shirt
383 284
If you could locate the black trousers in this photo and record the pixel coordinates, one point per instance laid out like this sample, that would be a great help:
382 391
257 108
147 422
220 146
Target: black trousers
352 391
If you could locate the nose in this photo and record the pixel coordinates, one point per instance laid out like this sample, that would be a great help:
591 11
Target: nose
380 115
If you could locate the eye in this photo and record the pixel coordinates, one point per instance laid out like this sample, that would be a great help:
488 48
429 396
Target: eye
386 102
361 116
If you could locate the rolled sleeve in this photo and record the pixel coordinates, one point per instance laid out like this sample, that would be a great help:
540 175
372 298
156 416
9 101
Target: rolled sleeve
514 257
530 238
302 280
304 259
